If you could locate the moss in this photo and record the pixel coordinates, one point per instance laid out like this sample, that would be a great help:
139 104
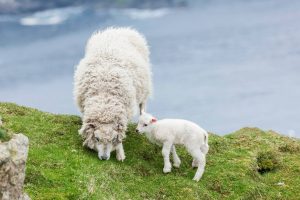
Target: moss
4 135
59 167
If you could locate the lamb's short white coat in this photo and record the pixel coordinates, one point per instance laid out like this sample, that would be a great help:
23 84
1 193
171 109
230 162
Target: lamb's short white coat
110 82
169 132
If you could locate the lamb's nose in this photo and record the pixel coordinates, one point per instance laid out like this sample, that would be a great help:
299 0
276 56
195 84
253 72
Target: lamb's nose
104 157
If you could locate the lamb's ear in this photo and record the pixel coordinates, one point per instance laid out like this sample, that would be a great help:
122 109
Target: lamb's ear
153 120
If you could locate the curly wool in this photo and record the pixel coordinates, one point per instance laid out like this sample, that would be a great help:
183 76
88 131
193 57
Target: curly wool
110 82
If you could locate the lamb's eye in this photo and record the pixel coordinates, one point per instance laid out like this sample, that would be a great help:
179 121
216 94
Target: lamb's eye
145 124
97 139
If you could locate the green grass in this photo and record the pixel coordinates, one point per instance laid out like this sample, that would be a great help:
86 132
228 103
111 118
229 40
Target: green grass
59 167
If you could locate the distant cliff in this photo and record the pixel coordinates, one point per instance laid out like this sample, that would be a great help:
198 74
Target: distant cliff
25 6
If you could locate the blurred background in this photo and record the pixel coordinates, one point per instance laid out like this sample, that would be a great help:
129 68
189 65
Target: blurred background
223 64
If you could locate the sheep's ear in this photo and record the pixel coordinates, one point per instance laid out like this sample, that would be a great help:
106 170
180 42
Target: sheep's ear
153 120
119 138
142 112
119 127
85 128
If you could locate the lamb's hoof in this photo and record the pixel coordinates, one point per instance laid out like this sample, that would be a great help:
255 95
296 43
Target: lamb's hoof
167 170
196 179
194 164
177 165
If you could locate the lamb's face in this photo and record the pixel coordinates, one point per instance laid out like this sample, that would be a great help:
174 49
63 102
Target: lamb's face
145 122
106 141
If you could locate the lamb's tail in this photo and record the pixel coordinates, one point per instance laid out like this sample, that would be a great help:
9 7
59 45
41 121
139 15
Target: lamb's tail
204 147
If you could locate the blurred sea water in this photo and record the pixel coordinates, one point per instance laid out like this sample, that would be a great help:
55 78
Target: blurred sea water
224 65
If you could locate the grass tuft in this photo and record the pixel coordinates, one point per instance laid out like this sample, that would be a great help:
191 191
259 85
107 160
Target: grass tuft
291 147
267 161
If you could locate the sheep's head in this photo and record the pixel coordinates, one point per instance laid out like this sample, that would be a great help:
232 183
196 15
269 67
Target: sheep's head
103 138
104 124
107 138
145 122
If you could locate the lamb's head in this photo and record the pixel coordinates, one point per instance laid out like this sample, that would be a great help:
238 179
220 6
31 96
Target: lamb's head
145 122
103 138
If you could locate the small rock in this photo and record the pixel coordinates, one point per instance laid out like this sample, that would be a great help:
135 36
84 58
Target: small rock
280 184
13 156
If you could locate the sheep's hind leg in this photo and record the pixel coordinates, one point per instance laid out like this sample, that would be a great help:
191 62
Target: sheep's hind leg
176 159
142 107
166 154
200 160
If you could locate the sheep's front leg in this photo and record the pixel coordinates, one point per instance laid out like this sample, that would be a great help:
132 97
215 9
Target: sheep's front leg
120 154
176 159
166 154
100 149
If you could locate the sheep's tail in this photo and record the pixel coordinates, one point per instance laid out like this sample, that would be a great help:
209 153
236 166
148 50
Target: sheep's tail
204 147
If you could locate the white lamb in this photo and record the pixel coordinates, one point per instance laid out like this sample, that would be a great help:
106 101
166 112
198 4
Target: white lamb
169 132
110 82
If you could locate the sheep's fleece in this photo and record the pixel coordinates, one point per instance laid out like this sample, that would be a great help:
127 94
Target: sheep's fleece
111 82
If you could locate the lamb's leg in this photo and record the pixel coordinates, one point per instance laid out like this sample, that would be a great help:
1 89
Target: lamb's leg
120 154
166 154
176 159
199 159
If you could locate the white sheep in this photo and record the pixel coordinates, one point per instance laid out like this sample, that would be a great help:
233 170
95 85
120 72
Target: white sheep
169 132
110 82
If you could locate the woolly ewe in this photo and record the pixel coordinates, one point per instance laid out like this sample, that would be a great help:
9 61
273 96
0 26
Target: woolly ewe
169 132
110 82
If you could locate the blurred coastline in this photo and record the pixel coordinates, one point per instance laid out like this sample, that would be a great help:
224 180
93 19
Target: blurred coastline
224 65
29 6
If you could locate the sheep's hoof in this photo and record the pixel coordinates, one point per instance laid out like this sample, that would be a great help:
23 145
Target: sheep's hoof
177 165
196 179
120 158
167 170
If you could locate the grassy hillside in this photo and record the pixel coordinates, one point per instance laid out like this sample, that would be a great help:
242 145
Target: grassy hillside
247 164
